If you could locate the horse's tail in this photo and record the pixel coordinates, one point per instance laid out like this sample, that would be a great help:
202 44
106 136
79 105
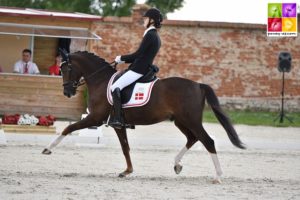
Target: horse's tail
213 101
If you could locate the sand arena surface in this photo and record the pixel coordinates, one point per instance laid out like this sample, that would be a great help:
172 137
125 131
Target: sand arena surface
268 169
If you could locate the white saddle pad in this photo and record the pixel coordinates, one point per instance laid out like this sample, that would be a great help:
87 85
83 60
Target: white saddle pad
140 95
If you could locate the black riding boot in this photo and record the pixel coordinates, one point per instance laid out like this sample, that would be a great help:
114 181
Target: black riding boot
117 121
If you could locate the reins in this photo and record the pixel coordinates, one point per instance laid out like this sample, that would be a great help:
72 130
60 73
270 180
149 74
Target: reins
82 80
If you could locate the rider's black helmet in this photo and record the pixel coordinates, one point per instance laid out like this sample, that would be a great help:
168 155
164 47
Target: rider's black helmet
154 13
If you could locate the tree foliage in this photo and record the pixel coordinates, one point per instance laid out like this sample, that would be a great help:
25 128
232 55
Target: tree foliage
166 6
102 7
114 7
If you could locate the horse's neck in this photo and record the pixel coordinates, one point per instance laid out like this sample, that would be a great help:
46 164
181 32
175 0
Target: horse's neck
99 79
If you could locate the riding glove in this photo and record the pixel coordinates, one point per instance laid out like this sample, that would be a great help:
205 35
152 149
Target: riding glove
118 60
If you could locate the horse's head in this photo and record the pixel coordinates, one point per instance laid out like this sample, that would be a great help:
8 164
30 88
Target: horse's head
70 73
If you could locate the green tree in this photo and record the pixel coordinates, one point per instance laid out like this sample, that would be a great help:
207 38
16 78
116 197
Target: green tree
83 6
16 3
166 6
114 7
102 7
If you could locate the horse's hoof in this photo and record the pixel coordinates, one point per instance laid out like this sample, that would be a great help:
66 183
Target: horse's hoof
46 152
124 174
177 168
217 181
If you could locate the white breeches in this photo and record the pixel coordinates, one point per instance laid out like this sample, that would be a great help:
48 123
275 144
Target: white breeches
125 80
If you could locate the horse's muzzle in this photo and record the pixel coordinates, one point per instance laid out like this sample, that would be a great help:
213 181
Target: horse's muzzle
67 94
69 91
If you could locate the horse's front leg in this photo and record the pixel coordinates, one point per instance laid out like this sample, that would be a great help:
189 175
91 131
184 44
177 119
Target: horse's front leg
84 123
122 135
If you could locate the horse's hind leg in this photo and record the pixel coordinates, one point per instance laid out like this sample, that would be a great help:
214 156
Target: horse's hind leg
122 135
191 140
209 144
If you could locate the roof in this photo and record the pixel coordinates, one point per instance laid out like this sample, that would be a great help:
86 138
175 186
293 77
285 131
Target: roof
207 24
11 11
47 31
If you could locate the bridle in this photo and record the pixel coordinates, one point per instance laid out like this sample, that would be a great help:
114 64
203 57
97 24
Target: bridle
76 84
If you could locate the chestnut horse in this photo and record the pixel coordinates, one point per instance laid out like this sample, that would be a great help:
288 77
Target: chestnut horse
174 98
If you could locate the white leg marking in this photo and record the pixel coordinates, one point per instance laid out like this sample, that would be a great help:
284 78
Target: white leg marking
55 142
217 167
180 155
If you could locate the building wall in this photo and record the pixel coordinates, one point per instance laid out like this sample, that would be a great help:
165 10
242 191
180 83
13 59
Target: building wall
38 95
45 50
10 50
238 60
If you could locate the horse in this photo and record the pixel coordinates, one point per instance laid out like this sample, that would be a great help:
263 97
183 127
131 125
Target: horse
176 99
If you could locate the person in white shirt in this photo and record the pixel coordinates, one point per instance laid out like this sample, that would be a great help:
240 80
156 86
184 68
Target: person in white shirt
25 66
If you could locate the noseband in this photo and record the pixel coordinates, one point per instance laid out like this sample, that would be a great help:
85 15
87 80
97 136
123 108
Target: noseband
70 83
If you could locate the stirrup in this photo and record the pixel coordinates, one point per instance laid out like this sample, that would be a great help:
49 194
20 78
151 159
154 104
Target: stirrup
131 126
108 123
116 124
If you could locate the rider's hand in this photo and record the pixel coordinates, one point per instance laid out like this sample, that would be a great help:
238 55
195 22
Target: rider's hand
118 60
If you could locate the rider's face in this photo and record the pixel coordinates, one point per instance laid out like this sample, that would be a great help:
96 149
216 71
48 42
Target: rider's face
146 21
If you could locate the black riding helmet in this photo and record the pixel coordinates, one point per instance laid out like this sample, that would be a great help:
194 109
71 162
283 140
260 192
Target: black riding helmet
154 13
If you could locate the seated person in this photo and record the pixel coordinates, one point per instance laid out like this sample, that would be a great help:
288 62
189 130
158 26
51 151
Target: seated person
25 66
55 69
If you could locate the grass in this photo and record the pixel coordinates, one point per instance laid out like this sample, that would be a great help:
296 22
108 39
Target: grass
255 118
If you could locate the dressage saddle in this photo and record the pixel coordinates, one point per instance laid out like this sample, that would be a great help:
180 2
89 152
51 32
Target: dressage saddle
127 91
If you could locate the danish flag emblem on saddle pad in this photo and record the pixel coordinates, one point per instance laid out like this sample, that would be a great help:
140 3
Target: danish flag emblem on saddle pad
140 95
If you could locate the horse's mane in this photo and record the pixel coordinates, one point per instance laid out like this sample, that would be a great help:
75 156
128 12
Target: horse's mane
91 56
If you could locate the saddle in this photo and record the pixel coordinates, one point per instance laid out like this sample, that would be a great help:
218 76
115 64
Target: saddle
126 93
136 94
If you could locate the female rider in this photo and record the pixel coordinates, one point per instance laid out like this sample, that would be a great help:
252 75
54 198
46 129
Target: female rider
140 62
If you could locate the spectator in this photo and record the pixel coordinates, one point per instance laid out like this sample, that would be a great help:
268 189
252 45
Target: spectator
1 69
55 69
25 66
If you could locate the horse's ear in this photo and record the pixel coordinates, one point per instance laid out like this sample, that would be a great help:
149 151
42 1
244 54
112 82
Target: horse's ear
64 54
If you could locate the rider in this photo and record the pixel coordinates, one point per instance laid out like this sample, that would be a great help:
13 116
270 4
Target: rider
140 62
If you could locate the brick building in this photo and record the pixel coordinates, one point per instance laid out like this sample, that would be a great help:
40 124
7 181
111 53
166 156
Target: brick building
238 60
